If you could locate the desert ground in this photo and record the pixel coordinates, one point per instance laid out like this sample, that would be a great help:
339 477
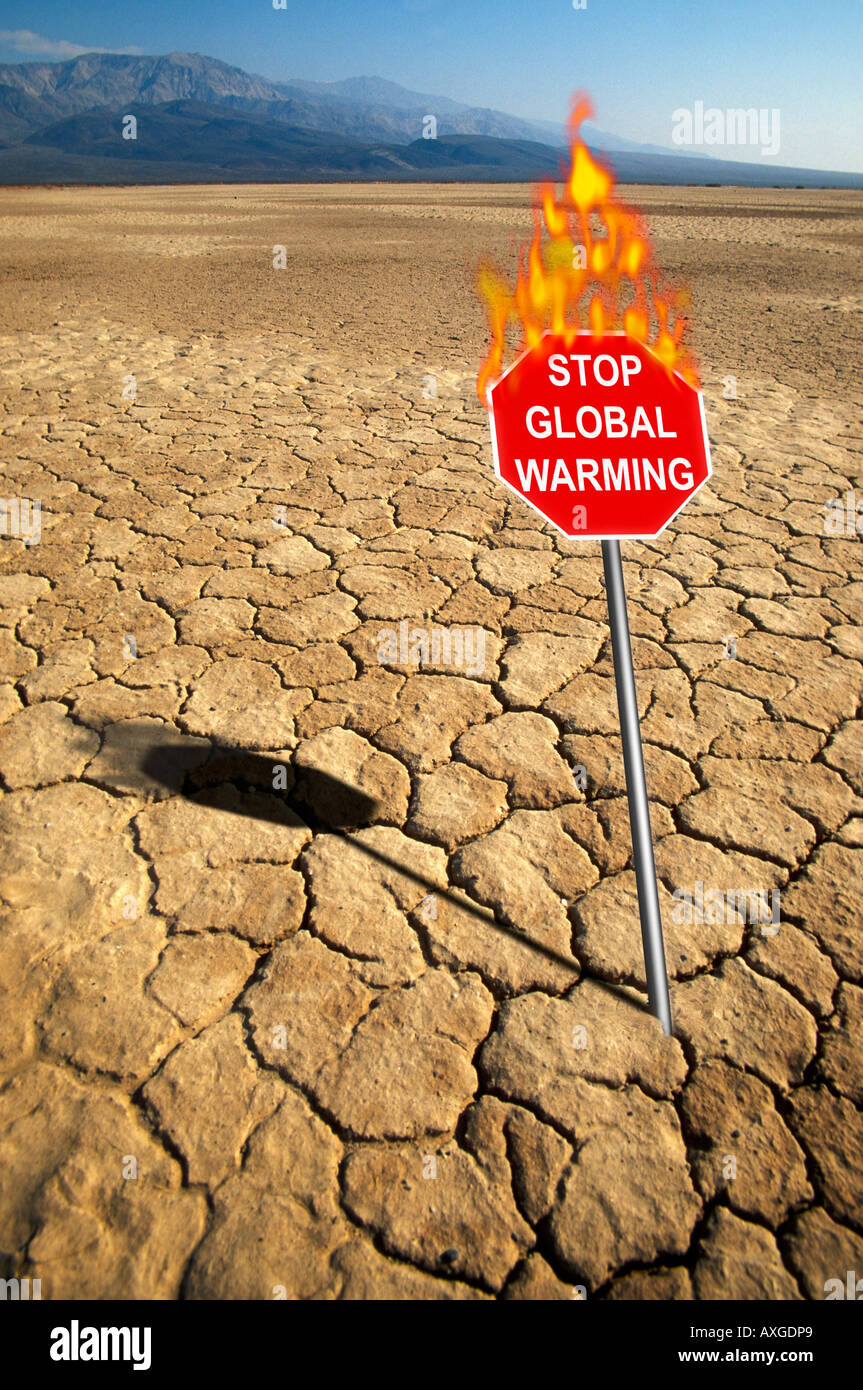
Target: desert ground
321 968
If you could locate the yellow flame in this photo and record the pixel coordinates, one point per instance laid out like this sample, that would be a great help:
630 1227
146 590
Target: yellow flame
586 246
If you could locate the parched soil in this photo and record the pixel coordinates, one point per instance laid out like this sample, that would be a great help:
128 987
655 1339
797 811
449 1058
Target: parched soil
320 963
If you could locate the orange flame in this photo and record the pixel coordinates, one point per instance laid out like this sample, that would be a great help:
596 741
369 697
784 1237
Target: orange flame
596 248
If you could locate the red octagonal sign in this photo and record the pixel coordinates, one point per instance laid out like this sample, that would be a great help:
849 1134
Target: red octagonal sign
598 435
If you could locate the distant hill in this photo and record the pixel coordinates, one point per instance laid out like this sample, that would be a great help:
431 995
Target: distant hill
202 120
190 141
367 108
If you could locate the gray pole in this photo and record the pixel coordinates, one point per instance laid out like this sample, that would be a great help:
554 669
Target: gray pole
636 788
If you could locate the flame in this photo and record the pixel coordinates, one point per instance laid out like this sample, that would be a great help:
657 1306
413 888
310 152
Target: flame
586 246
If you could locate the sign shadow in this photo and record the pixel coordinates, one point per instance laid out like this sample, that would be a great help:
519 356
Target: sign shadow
312 797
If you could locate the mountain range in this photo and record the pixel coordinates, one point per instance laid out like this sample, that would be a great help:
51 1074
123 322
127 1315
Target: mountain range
202 120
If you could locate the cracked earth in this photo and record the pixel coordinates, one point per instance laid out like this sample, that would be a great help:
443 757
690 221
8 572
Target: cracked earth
321 970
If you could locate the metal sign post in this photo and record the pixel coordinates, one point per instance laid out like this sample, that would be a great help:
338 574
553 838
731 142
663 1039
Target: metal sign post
636 788
605 441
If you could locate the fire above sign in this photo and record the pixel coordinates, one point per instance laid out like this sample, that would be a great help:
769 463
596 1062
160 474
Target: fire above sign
599 423
599 435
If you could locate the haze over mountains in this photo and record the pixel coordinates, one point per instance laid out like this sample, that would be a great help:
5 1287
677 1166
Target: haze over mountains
201 120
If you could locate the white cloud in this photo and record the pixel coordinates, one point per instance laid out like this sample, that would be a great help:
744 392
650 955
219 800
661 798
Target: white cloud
25 41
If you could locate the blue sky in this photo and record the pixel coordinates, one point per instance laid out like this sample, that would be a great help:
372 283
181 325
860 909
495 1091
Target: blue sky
640 59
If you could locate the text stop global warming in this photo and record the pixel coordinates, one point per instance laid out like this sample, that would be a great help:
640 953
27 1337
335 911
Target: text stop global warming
627 473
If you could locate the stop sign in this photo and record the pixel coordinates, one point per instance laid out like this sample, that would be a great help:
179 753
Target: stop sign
599 435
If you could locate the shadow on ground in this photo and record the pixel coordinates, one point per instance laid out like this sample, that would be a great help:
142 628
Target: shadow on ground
311 796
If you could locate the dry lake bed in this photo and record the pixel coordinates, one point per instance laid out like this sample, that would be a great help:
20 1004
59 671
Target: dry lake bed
320 965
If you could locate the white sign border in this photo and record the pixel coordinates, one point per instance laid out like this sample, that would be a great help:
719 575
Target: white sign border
593 536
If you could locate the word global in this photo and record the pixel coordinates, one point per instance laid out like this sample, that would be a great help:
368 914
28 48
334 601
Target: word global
614 416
